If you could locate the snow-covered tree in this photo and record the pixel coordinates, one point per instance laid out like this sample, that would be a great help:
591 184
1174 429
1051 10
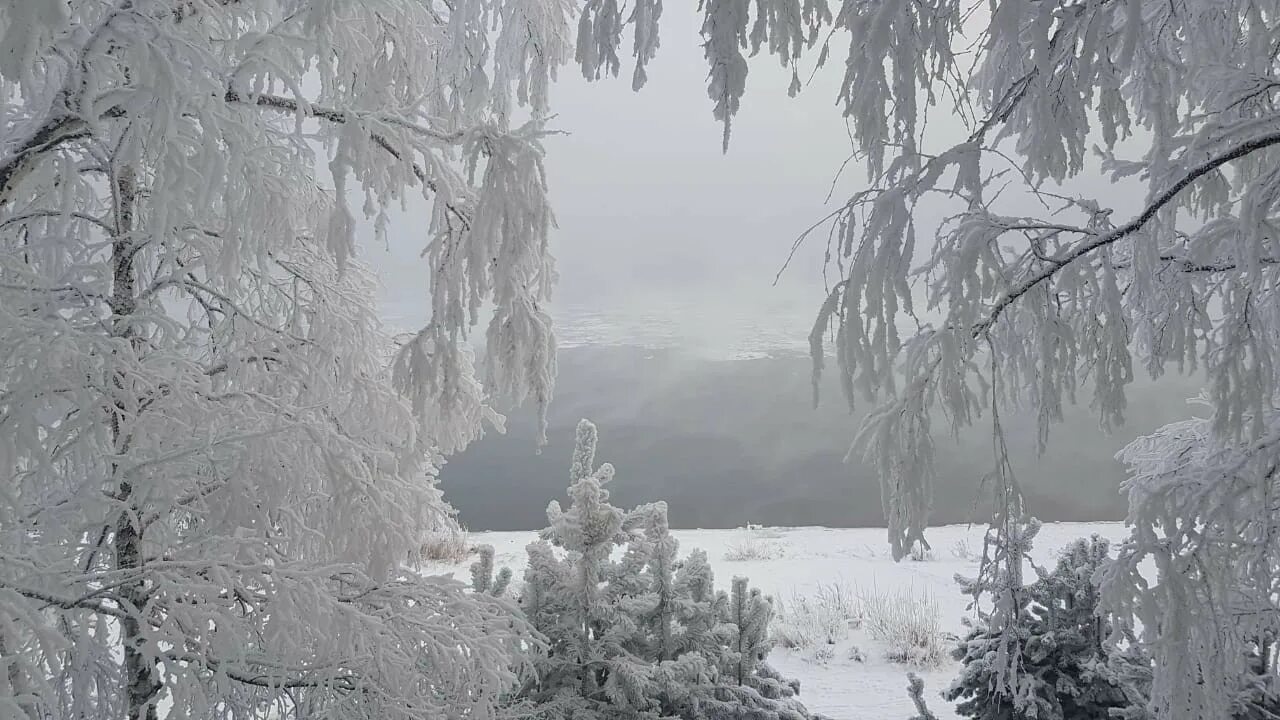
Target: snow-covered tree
586 648
1066 665
1204 517
642 634
750 612
214 459
483 577
700 610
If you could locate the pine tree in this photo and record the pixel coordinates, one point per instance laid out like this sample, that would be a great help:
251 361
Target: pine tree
992 652
750 612
483 579
645 634
1066 668
590 667
746 686
702 612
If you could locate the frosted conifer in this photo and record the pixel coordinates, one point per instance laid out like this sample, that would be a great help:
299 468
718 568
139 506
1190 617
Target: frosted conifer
645 634
483 579
1066 667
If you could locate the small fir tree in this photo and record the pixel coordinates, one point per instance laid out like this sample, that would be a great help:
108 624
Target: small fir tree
702 613
483 579
1067 667
644 635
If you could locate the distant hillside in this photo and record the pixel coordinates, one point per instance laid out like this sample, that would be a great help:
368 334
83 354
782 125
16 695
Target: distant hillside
733 441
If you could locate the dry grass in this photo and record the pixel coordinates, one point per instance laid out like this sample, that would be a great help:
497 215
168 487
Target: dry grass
751 547
906 622
448 545
811 622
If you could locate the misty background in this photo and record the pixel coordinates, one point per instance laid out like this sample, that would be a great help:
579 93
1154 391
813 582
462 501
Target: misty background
682 342
727 442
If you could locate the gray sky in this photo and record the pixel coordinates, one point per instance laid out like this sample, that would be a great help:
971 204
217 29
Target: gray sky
655 221
651 213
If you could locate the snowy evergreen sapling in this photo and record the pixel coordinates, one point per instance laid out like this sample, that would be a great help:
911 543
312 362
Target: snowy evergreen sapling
1067 669
483 579
643 634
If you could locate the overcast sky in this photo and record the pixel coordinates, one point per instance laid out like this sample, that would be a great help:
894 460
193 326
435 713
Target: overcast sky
650 211
655 220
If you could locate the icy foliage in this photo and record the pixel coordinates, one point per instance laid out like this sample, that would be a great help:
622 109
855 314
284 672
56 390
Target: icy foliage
811 622
1002 628
483 578
915 690
1068 660
749 547
215 459
1204 517
731 31
643 634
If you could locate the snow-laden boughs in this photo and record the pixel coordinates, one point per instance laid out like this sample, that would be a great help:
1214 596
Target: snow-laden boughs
1204 518
642 634
1075 295
731 31
215 460
1058 645
999 637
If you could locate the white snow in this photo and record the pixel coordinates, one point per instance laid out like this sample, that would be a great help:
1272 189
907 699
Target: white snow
800 559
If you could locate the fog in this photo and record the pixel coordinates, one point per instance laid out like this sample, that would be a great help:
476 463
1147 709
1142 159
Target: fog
726 442
683 343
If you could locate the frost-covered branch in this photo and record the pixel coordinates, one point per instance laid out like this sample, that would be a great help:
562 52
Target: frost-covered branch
1057 263
333 115
1204 513
53 133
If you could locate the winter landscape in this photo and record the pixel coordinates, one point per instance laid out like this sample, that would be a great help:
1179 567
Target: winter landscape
631 360
843 665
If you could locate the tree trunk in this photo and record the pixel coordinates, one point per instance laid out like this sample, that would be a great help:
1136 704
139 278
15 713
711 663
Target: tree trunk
141 676
740 619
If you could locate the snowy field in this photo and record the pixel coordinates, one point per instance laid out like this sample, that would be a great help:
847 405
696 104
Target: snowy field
802 562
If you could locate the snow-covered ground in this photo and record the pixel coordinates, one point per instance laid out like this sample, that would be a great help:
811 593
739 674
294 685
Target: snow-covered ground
801 560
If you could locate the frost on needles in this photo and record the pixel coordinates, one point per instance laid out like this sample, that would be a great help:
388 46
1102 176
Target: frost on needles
1065 656
642 634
